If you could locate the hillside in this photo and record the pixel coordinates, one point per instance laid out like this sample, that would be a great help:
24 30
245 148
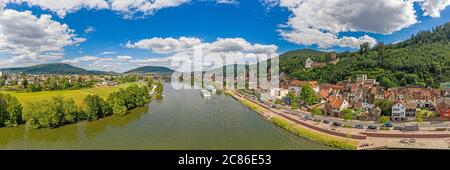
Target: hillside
422 60
53 68
150 69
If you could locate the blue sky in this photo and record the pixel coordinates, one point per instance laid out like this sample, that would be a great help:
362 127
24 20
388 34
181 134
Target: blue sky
106 31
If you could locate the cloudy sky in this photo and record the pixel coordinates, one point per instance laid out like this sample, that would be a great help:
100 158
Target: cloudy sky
118 35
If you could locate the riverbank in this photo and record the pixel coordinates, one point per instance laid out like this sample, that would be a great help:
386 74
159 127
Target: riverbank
363 138
77 95
293 127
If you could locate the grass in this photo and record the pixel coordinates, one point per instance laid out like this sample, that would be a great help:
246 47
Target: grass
314 136
76 95
252 106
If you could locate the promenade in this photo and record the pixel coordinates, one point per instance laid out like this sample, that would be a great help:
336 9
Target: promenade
366 138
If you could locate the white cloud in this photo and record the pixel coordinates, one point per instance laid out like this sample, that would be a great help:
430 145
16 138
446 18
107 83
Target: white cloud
126 7
25 38
146 7
62 7
181 50
108 53
165 45
227 1
321 22
433 8
124 58
89 29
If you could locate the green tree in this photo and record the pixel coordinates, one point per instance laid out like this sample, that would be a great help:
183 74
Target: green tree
347 114
24 83
10 111
291 96
70 111
316 111
150 82
384 119
159 89
295 103
95 107
308 95
385 106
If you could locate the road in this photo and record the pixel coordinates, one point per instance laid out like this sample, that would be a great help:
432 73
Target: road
302 113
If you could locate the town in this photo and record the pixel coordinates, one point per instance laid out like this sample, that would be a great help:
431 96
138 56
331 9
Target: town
49 82
362 98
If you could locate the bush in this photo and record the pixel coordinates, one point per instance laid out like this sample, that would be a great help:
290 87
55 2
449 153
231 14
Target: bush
95 107
51 113
10 111
130 98
385 128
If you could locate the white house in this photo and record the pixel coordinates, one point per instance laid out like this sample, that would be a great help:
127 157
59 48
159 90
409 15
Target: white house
398 111
308 63
366 105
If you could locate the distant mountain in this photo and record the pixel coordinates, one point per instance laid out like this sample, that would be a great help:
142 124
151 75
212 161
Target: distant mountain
303 53
52 68
151 69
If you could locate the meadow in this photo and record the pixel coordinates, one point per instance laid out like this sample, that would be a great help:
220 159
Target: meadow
77 95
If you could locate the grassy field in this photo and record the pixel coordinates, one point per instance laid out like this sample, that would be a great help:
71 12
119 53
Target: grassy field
77 95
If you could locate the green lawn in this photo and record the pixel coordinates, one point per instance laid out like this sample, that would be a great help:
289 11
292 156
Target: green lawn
77 95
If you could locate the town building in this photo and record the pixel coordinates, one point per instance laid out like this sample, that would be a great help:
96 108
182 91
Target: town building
308 63
334 106
443 107
398 111
372 115
295 86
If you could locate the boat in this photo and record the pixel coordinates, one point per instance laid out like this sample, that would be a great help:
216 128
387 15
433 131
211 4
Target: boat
205 93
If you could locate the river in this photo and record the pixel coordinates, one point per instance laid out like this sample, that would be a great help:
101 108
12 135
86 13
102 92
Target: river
182 120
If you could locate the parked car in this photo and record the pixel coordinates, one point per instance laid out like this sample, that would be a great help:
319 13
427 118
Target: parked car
326 121
388 124
309 118
411 127
273 106
336 124
359 126
372 127
398 128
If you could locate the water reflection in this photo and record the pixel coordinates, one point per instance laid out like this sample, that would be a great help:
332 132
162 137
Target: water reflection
183 119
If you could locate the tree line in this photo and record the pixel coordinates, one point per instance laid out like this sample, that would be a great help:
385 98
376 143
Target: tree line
58 111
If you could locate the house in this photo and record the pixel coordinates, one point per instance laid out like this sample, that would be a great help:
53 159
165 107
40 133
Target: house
295 86
109 83
335 105
373 115
308 63
423 97
410 112
398 111
443 107
277 93
333 56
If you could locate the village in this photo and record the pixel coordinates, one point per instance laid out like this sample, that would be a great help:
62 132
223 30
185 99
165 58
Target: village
364 97
49 82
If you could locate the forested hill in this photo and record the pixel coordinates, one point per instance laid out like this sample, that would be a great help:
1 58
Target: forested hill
424 59
52 68
150 69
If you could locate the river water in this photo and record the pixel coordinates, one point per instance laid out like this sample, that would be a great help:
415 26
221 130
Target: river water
182 120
